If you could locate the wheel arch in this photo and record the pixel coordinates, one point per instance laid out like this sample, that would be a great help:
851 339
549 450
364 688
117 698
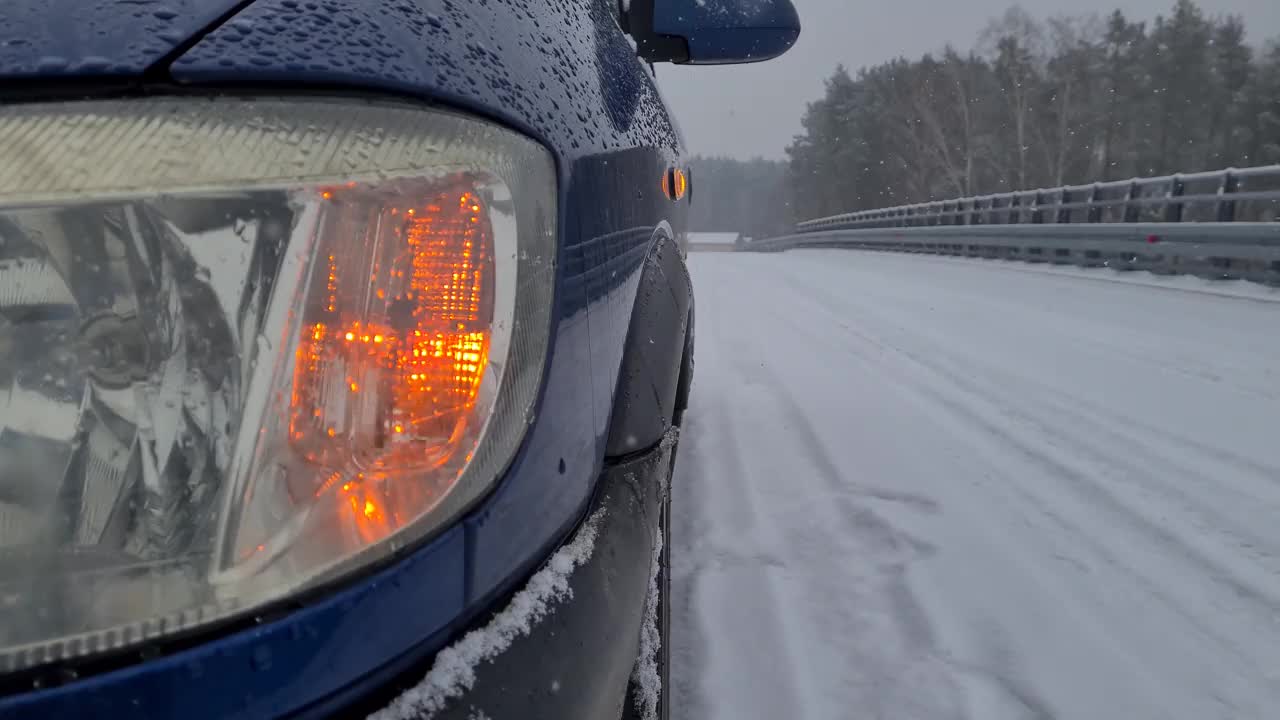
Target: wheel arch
651 394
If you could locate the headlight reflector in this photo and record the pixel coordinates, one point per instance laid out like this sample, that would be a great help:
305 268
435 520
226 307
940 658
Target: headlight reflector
247 346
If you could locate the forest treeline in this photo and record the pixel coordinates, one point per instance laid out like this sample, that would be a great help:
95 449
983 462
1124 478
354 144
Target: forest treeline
1035 103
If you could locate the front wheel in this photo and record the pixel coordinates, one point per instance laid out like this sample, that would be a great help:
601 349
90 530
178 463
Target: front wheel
649 691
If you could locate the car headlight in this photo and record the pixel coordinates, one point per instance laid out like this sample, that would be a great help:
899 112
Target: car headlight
249 345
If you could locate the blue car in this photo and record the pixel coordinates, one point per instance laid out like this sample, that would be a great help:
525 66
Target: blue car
343 352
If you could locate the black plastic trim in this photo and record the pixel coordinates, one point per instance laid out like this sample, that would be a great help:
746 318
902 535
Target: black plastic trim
645 402
651 46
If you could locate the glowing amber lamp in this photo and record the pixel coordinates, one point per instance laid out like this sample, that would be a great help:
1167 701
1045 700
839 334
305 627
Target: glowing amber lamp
367 514
397 340
675 183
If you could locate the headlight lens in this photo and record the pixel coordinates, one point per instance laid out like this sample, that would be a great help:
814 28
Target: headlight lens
247 346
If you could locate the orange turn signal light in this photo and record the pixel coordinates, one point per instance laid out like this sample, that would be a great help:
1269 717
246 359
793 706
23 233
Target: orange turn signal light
675 183
396 337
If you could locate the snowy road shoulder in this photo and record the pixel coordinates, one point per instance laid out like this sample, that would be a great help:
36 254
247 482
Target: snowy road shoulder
922 488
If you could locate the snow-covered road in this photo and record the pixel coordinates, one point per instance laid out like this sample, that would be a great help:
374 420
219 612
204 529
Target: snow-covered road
917 488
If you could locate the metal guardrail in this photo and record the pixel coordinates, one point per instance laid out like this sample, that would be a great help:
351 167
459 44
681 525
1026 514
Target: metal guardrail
1232 195
1219 224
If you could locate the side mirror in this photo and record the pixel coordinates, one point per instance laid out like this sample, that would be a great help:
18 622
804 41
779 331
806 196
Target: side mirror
711 32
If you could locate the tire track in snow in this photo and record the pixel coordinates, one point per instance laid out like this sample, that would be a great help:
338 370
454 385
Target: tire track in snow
1084 417
1069 433
844 579
1134 534
688 638
890 546
1065 439
997 666
1155 460
880 640
987 409
1149 469
730 577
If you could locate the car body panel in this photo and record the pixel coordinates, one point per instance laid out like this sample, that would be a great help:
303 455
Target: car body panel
83 39
278 667
610 242
561 72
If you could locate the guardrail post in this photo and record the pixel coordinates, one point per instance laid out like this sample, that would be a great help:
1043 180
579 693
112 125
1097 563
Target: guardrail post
1015 209
1227 206
1131 210
1173 205
1037 215
1063 216
1095 209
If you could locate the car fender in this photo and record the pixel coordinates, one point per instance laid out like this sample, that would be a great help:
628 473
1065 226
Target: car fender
646 400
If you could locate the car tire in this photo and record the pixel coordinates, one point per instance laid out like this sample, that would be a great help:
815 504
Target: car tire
684 385
634 708
664 608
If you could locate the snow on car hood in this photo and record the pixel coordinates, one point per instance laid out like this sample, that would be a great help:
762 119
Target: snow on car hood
99 38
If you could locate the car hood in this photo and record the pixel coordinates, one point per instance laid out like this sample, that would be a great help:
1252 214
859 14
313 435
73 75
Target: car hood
97 38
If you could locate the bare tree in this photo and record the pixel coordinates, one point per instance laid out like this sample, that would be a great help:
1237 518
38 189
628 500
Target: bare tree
1015 44
1071 78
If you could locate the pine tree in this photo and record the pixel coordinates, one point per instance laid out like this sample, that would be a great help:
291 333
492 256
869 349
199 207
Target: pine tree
1178 65
1232 72
1121 77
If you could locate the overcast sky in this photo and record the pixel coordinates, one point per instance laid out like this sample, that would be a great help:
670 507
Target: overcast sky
748 110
